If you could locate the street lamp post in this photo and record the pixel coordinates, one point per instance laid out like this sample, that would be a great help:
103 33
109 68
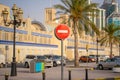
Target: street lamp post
119 49
17 20
97 50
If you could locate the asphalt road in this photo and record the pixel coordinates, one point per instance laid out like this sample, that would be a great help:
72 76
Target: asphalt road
54 73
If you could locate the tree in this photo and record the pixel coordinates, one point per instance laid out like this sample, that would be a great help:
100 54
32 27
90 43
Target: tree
110 37
78 11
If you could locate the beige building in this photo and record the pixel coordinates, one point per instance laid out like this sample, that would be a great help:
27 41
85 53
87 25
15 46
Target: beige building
38 38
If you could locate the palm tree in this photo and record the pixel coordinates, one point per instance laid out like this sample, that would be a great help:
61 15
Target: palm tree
111 36
78 11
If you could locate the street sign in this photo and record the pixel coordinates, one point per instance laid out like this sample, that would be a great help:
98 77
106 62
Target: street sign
87 47
62 31
18 50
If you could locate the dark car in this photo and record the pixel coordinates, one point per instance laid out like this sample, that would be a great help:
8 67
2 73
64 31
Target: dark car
86 59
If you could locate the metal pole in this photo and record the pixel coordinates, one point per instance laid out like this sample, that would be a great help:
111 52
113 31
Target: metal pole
43 75
61 59
13 63
86 69
97 50
86 74
119 49
69 75
6 76
6 48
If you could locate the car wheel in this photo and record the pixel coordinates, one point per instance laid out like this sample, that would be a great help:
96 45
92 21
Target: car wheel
54 64
48 66
26 65
100 67
1 65
64 64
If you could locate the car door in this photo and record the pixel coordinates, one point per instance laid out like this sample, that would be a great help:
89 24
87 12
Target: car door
110 63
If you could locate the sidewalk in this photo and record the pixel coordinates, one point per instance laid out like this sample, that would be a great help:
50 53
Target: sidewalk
55 73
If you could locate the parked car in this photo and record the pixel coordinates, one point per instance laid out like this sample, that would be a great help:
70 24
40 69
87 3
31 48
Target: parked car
108 63
116 56
100 57
2 60
86 59
29 58
93 57
103 57
56 59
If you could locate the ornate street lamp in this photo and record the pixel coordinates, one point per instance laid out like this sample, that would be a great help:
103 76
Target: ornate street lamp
17 20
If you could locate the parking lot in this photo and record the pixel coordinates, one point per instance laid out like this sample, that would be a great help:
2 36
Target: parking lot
54 73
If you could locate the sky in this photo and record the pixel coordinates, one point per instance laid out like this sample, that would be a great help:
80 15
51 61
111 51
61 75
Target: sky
35 8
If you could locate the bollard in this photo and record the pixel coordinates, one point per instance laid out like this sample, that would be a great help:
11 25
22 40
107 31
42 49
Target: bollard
69 75
6 76
43 75
86 74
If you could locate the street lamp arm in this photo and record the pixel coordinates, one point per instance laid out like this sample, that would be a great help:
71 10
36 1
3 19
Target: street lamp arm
12 22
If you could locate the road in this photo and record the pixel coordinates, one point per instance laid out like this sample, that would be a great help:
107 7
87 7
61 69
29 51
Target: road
54 73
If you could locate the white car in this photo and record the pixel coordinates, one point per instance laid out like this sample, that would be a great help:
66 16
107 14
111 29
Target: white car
2 60
108 63
103 57
56 59
29 58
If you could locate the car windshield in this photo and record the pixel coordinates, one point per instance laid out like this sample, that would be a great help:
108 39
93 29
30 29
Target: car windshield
53 57
92 56
110 60
56 57
30 57
41 57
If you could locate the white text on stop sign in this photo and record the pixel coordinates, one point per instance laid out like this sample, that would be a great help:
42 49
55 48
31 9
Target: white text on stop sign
62 31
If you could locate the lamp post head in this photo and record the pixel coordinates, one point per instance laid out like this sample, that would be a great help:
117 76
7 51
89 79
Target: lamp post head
5 15
14 9
20 14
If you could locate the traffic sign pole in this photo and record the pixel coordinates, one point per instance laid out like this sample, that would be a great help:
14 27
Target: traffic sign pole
62 60
61 32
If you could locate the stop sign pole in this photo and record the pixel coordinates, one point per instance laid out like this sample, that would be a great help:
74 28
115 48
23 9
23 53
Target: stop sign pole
62 32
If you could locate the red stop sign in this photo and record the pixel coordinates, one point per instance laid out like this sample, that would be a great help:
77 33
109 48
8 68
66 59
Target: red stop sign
62 31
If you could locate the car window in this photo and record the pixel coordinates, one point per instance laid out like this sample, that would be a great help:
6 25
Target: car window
92 56
41 57
48 56
30 56
118 61
110 60
56 57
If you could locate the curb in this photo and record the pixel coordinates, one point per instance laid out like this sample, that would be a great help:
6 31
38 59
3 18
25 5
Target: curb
116 78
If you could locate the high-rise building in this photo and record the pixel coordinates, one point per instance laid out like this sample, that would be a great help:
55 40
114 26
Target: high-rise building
110 6
112 12
99 18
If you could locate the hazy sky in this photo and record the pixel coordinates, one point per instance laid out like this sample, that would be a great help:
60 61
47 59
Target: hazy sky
35 8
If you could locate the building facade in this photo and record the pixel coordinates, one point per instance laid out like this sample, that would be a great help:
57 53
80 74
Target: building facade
39 39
